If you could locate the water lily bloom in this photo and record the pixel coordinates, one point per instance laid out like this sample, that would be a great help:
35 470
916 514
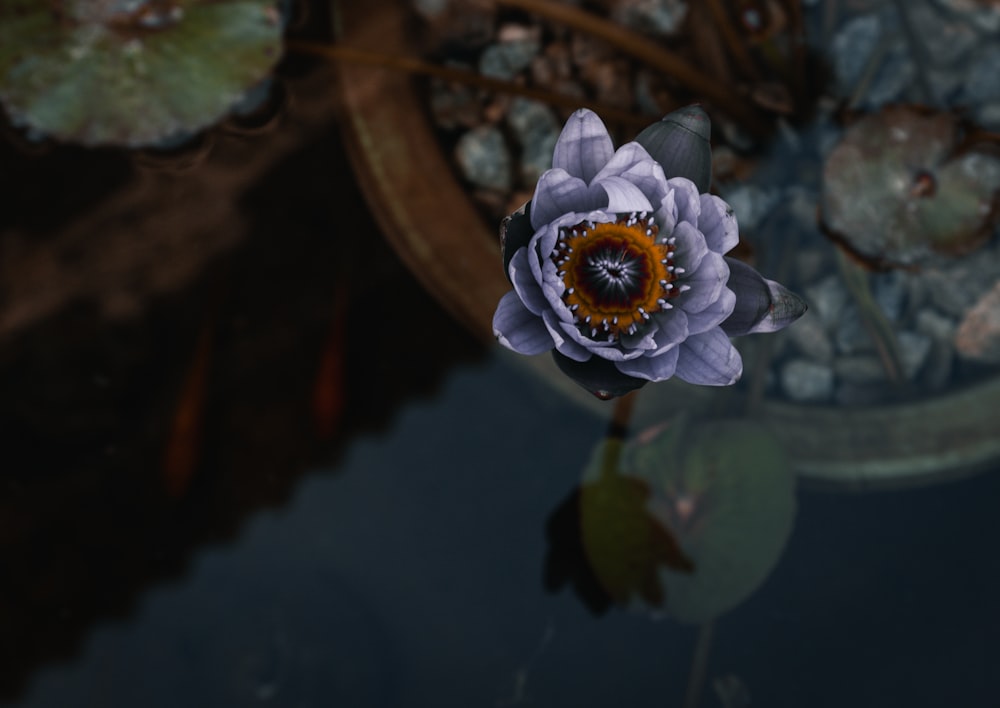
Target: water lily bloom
618 262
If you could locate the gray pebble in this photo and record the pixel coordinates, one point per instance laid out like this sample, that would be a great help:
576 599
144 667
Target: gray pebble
483 158
504 60
889 291
807 381
828 298
982 82
664 17
946 41
850 335
751 203
856 44
536 130
810 338
914 348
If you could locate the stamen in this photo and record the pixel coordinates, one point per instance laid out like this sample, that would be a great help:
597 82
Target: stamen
608 271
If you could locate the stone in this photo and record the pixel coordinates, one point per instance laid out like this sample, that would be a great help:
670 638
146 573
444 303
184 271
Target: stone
914 348
953 285
482 156
984 14
663 17
455 106
828 298
552 65
889 291
850 334
982 84
810 338
946 41
854 47
806 381
978 335
751 204
811 264
507 59
536 129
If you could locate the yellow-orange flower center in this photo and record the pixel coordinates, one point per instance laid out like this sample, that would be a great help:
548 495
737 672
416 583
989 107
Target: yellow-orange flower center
616 274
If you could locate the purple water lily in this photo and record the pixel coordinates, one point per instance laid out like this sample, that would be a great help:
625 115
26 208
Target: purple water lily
620 270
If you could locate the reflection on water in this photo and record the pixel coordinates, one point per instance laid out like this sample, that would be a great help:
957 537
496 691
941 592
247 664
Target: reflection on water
217 488
411 575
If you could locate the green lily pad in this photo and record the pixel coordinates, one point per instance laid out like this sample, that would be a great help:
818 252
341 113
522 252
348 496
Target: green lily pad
131 72
895 191
687 518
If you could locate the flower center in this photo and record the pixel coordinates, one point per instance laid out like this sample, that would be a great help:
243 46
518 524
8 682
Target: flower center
616 274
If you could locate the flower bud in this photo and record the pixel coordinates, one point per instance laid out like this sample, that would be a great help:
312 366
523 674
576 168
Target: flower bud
680 143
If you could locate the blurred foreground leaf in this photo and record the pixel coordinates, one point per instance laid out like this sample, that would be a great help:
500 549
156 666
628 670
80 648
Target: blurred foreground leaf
131 72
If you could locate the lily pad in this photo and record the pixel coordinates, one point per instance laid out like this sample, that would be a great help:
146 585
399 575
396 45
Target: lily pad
687 518
896 192
131 72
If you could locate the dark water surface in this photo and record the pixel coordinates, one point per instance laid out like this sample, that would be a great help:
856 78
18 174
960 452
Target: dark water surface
410 573
361 512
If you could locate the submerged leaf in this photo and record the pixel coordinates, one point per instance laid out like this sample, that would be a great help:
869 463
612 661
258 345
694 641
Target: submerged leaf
625 545
133 73
696 515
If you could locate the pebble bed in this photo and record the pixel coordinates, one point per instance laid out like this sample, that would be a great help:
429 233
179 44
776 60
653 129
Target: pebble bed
944 314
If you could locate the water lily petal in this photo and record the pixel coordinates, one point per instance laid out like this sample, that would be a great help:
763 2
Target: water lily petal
687 198
648 177
623 196
525 284
584 146
714 314
563 344
518 329
654 368
599 376
705 284
709 359
762 305
673 328
691 247
572 330
666 212
625 158
617 353
559 193
718 223
644 339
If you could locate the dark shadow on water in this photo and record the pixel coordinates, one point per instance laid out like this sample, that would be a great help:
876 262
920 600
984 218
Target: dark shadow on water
87 404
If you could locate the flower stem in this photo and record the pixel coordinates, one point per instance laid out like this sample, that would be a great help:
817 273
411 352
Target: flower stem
699 665
411 65
650 53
